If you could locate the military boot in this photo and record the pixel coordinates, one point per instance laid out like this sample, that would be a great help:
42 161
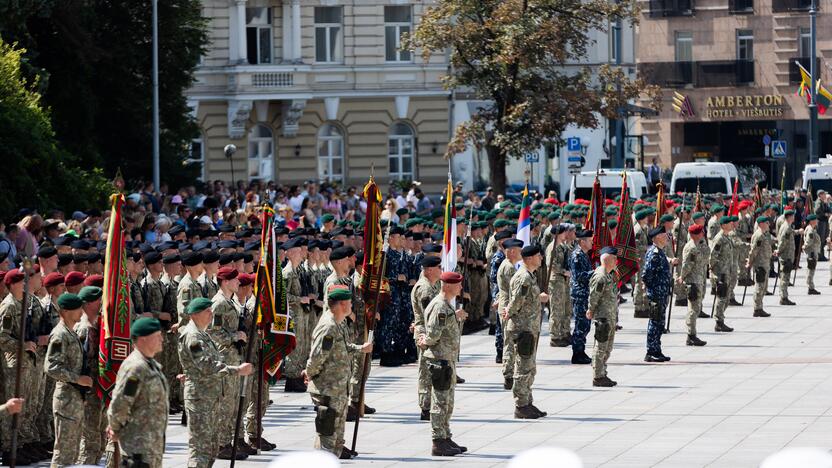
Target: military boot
352 413
243 447
461 448
526 412
653 358
225 454
345 454
761 313
369 410
580 357
693 340
460 380
785 301
425 416
814 292
721 327
703 315
734 302
508 383
262 444
604 382
443 448
539 411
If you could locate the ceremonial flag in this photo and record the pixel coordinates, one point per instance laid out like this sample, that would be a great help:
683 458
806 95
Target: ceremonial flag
809 206
803 91
697 204
758 196
114 345
524 222
597 221
449 233
783 189
273 318
625 241
372 276
735 209
823 98
659 203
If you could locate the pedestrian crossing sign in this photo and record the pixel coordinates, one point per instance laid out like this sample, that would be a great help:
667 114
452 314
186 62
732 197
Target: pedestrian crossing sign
778 149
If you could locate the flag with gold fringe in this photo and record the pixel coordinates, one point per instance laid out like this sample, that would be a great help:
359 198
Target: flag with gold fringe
625 239
374 287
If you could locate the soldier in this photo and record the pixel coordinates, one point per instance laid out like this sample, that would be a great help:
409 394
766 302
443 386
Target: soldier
811 245
95 422
640 232
785 252
441 346
507 269
169 359
694 268
327 372
66 365
494 264
522 317
721 262
758 262
188 288
821 210
558 288
426 288
581 269
738 247
602 306
205 374
208 279
138 412
134 271
296 360
657 283
714 223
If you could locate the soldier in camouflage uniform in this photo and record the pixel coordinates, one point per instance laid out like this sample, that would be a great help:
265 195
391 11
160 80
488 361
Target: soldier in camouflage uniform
811 246
692 275
759 263
640 233
296 360
786 254
744 230
328 371
188 288
169 358
602 307
477 281
205 373
441 347
426 288
506 271
714 223
722 262
65 364
558 289
134 271
522 318
208 279
95 421
138 411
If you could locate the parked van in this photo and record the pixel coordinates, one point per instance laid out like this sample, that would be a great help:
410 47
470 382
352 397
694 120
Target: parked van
610 183
820 175
710 177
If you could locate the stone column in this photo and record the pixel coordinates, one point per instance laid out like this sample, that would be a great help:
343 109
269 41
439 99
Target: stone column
242 49
296 50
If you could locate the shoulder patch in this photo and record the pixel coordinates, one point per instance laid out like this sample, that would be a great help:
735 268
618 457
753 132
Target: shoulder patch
131 386
759 242
425 301
327 343
196 348
441 318
599 286
57 345
7 322
524 290
217 320
716 247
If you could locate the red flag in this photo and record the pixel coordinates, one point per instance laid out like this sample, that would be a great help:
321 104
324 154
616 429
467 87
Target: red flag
625 240
735 208
374 286
597 221
114 345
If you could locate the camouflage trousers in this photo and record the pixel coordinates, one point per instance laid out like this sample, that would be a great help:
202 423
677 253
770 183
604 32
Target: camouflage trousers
230 400
424 386
332 442
44 426
733 279
560 311
442 407
93 438
640 297
601 352
68 411
721 305
785 277
296 360
478 290
810 278
508 353
525 369
694 308
252 388
760 289
204 435
169 359
29 376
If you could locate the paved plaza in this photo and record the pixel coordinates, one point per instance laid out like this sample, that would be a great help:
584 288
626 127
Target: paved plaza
745 395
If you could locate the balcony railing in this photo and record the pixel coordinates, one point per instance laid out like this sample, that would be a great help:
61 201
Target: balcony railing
739 7
665 8
702 74
785 6
794 71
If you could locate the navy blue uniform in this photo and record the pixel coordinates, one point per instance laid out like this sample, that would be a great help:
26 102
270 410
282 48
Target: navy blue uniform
493 266
657 284
581 269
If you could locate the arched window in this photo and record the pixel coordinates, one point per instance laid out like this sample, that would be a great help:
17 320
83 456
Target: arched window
260 153
330 153
400 144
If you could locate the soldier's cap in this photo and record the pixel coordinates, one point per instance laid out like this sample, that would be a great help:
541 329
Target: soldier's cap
339 254
698 215
251 246
198 305
608 250
812 217
94 280
560 229
227 244
80 244
73 278
327 218
12 277
763 219
90 293
725 220
396 230
666 218
246 279
210 257
227 273
64 259
176 229
62 241
192 259
167 245
584 234
655 232
314 244
69 301
502 235
338 292
225 259
47 252
735 218
172 258
225 227
401 211
717 209
291 244
502 222
431 248
530 251
144 248
640 215
512 243
430 261
53 279
183 246
145 326
152 258
451 277
788 213
696 229
612 224
324 244
412 222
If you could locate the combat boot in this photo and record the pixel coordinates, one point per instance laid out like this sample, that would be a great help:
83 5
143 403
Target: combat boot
703 315
225 454
345 454
693 340
814 292
721 327
460 380
352 453
526 412
604 382
653 358
786 302
761 313
539 411
733 302
443 448
461 448
352 413
581 358
369 410
243 447
508 383
425 416
262 444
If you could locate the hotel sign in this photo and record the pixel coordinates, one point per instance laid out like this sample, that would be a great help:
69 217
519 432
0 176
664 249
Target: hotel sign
760 105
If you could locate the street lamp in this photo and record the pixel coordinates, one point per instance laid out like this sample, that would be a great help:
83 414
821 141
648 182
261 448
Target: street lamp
229 153
155 78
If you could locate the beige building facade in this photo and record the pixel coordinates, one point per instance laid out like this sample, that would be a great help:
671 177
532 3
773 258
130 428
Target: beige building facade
321 90
728 74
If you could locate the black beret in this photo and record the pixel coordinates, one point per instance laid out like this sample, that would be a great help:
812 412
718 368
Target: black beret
63 241
227 244
339 254
608 250
511 243
584 234
80 244
324 244
64 259
227 228
530 250
166 246
502 235
184 246
47 252
431 248
210 256
200 245
252 246
173 258
192 259
81 258
655 232
248 258
175 229
225 259
290 244
429 261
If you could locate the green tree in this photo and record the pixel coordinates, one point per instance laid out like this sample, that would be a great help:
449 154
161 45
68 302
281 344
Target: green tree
511 54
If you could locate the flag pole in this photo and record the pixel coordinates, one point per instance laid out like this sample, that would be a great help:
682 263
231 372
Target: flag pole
27 269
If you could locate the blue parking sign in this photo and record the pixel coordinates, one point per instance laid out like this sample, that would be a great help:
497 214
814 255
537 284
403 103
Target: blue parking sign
573 144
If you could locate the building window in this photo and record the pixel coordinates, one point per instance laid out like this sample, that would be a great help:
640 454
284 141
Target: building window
330 153
260 153
684 46
196 155
397 21
259 35
328 36
805 42
400 152
615 37
745 44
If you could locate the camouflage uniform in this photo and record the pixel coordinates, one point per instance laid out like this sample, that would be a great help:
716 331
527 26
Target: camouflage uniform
785 252
65 364
93 439
504 275
329 368
137 305
477 281
205 388
722 262
138 411
744 229
208 285
296 360
522 330
559 312
811 246
252 414
442 338
44 315
169 357
758 257
694 266
423 292
356 330
603 302
222 330
187 290
10 310
639 301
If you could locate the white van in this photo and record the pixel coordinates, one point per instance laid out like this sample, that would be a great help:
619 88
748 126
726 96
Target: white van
710 177
610 183
820 174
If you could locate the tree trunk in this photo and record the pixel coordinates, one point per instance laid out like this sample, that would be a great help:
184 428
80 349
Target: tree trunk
497 169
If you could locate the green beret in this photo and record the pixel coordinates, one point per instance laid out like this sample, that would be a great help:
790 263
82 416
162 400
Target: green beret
641 215
327 218
412 222
198 305
500 223
762 219
90 293
788 213
69 301
698 215
611 211
401 211
341 223
724 220
145 326
735 219
717 208
512 214
811 217
666 218
553 215
339 294
490 216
